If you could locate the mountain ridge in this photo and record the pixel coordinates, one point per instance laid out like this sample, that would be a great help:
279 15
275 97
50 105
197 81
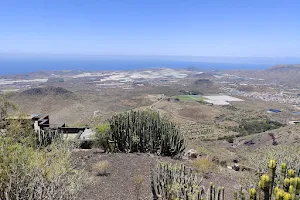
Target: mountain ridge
285 67
283 74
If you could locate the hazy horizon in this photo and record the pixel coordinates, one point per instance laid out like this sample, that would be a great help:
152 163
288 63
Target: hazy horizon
213 59
27 65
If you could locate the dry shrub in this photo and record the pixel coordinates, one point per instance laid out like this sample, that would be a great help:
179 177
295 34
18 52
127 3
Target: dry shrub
204 166
138 182
282 154
30 171
40 174
101 168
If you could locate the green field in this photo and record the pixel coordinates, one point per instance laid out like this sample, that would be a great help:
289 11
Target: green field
190 97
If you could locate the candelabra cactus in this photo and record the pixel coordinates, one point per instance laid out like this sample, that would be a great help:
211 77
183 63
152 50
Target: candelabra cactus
145 131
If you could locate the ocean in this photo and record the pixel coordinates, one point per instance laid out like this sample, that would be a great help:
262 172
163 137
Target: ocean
22 66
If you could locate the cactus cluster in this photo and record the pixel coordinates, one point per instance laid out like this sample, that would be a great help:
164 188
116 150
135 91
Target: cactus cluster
169 182
288 188
47 136
178 182
145 131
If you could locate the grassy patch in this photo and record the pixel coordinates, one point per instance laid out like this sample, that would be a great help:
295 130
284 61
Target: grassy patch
257 126
249 127
101 168
204 166
190 97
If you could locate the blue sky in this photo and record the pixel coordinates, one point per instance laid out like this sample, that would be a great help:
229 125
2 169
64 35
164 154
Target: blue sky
151 27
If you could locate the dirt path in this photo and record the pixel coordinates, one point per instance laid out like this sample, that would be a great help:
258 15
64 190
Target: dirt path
170 111
151 106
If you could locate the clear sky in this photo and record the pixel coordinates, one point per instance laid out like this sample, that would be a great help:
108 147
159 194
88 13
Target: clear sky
151 27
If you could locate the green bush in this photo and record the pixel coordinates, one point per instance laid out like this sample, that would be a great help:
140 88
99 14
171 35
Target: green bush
41 174
101 137
256 126
145 131
204 166
31 170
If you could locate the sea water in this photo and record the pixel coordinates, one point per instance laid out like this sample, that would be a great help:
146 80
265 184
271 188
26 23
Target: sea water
21 66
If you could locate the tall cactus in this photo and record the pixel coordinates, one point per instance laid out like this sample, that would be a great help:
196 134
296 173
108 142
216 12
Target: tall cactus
145 131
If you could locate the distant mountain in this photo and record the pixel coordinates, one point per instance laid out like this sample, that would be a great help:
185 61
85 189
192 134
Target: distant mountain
284 74
284 67
61 104
288 74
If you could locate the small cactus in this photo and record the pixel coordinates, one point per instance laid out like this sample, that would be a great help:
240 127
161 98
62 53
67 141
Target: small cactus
286 182
283 168
265 182
291 189
279 195
287 196
252 194
272 164
291 173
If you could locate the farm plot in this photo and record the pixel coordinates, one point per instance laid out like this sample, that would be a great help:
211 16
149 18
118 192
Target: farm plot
190 97
221 99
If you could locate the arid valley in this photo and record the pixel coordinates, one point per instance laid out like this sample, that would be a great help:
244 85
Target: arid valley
227 117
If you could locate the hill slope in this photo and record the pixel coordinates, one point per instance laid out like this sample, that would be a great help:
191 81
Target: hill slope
50 90
288 74
284 74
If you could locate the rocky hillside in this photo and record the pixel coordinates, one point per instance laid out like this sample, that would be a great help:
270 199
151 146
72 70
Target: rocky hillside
284 67
43 91
284 74
288 74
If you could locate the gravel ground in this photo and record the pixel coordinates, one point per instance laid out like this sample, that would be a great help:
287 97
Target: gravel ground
118 184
